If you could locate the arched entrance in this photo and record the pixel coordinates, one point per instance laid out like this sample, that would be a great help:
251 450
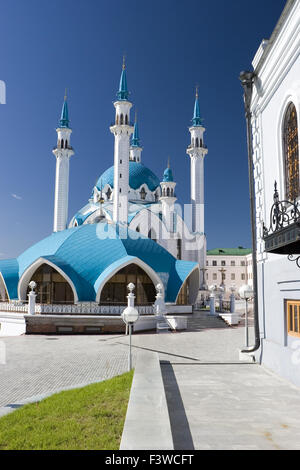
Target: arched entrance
52 287
183 296
115 290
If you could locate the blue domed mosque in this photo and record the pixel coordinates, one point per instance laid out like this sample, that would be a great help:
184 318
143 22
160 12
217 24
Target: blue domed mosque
130 230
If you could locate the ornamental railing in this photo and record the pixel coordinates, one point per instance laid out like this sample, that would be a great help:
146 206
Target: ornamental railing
87 308
283 234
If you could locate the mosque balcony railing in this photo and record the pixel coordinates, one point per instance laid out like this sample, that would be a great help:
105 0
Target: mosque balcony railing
57 147
131 124
283 235
203 146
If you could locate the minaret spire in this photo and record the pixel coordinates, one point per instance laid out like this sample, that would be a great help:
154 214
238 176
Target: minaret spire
122 131
135 147
62 152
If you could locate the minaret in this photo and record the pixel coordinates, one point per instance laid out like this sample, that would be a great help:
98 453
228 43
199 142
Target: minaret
122 131
168 197
197 151
62 152
135 148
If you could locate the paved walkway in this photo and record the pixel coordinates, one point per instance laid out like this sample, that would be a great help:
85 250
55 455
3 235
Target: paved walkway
214 401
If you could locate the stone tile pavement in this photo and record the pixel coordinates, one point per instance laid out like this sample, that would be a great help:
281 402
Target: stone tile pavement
214 401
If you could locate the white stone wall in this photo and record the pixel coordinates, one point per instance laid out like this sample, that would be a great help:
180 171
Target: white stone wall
277 84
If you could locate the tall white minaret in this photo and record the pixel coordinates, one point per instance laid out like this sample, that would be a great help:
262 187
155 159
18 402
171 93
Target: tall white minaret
197 151
168 198
135 148
122 131
62 152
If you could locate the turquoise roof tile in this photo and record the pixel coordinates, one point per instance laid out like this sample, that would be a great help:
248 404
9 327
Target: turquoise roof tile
89 253
138 175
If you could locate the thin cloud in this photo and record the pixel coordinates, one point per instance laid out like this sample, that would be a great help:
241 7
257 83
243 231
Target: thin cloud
16 196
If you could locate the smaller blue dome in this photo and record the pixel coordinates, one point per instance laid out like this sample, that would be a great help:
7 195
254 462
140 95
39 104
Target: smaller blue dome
168 175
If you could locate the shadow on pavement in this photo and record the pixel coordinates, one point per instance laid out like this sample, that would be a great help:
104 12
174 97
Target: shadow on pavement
182 437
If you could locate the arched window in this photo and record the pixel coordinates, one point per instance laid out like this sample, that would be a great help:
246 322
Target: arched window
62 144
152 235
115 290
108 193
126 119
121 119
66 144
143 193
52 287
168 192
179 245
201 143
197 142
291 153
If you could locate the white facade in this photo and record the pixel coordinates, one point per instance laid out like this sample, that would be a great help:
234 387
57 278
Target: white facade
277 84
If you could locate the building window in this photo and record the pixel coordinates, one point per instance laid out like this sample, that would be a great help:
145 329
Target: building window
293 317
108 193
232 263
179 248
233 277
291 153
215 276
223 263
243 263
143 193
206 263
120 175
243 277
214 263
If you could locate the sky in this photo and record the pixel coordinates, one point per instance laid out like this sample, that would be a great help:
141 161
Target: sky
170 46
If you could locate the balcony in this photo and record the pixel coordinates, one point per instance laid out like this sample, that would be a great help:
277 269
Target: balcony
283 235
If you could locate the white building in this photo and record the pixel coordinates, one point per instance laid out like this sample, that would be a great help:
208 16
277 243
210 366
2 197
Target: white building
229 267
275 108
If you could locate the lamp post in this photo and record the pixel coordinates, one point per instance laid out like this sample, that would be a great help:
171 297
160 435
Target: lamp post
246 293
130 315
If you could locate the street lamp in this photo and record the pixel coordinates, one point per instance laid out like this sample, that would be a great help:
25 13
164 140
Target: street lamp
246 293
130 315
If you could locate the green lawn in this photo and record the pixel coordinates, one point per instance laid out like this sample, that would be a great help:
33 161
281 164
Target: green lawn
85 418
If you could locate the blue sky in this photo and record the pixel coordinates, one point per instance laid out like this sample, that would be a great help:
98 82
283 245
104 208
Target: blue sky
170 46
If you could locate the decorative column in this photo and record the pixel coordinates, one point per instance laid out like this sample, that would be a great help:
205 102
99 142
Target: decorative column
31 298
159 305
212 300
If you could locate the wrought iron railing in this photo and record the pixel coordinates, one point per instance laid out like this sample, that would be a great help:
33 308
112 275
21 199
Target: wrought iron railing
283 234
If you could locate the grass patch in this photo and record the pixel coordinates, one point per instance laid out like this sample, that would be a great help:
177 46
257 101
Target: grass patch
85 418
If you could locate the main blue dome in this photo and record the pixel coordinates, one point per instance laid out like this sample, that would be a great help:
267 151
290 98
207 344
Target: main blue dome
138 175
